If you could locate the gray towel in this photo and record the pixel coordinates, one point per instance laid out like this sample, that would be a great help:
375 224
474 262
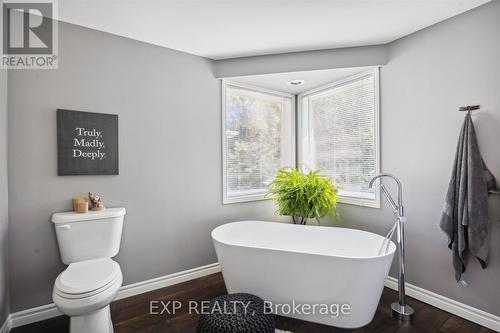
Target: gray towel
465 215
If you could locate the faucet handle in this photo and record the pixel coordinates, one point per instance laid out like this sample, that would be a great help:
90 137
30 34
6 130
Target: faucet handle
389 198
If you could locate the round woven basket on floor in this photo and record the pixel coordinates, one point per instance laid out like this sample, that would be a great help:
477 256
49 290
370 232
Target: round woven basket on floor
236 313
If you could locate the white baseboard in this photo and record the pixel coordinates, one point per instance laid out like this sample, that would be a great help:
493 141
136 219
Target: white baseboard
6 325
465 311
43 312
166 281
32 315
459 309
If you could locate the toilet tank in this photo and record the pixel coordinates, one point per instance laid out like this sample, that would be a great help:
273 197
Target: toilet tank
92 235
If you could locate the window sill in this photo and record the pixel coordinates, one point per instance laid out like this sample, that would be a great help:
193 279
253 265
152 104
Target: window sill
371 203
363 202
252 196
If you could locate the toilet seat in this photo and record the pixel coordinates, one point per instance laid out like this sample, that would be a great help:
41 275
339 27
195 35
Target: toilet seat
87 278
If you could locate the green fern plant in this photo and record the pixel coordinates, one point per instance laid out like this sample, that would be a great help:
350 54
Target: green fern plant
304 195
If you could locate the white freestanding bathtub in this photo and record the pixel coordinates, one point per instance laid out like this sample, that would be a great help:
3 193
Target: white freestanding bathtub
306 267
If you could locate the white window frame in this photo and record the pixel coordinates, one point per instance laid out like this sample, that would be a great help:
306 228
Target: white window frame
303 134
290 153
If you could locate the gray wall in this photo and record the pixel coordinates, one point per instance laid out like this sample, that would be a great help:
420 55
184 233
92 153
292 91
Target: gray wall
430 74
170 158
4 215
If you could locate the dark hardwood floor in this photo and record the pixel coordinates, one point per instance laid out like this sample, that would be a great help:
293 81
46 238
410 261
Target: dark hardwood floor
132 315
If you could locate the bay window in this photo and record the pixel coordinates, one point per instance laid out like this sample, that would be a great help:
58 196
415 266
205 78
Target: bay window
337 133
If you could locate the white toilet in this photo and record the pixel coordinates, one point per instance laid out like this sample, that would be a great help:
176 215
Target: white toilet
83 291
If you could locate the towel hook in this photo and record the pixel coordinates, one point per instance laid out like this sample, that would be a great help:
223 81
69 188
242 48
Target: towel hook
469 108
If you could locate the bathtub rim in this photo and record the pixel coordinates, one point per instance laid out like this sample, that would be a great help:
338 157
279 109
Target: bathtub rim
387 254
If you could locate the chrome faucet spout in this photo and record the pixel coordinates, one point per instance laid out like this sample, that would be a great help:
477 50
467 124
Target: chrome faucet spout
399 206
400 309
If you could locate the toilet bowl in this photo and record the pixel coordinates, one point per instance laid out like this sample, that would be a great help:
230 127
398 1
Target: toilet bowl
84 291
86 288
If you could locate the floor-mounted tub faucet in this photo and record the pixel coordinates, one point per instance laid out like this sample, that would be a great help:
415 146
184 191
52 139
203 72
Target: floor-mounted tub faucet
400 309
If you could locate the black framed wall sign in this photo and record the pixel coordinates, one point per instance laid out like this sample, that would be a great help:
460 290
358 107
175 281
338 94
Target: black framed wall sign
87 143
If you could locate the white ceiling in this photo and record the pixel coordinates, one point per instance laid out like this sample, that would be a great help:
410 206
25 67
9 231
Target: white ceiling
312 79
220 29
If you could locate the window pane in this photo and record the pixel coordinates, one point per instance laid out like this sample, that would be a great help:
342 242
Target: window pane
342 135
254 139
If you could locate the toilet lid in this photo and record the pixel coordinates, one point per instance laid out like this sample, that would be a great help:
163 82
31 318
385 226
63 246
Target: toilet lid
87 276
